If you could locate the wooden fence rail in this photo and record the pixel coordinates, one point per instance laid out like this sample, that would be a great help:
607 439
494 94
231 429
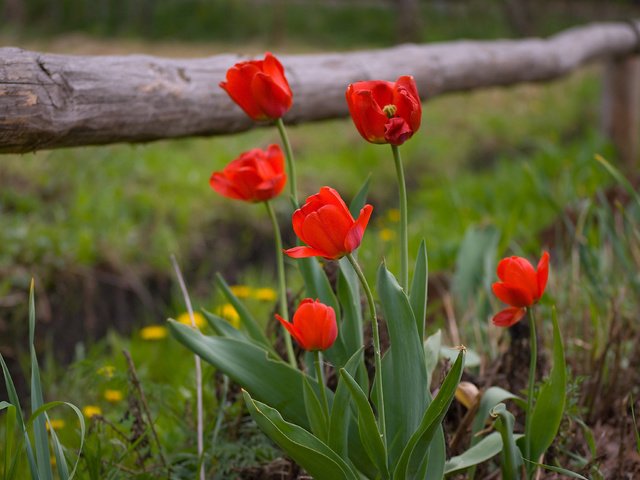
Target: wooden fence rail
52 101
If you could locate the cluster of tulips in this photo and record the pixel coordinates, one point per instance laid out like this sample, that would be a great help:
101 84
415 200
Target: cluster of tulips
390 427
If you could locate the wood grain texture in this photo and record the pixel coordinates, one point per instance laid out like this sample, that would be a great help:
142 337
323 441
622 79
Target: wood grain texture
52 101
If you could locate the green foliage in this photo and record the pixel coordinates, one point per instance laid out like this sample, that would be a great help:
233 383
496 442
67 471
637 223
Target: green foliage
40 466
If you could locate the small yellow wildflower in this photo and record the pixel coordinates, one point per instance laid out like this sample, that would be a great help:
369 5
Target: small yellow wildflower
241 291
197 318
113 396
265 294
393 215
52 460
230 314
106 371
56 424
386 234
91 411
153 332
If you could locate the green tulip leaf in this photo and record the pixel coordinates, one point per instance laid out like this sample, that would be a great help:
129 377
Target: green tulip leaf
432 352
483 450
367 426
560 470
340 411
405 387
305 449
272 381
419 288
223 328
511 456
490 398
360 199
549 406
411 459
349 296
315 413
246 319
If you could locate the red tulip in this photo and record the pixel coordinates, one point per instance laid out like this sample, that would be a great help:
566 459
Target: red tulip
521 286
325 224
314 325
385 112
259 87
255 176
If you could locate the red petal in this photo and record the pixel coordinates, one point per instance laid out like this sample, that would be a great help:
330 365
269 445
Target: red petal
304 252
518 272
397 131
329 196
407 101
270 97
275 70
542 274
238 86
224 187
508 316
291 328
325 230
512 295
367 116
354 237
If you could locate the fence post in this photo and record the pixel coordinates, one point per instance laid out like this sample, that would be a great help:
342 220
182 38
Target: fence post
621 108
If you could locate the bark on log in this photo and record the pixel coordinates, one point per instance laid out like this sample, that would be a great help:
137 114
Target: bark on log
51 101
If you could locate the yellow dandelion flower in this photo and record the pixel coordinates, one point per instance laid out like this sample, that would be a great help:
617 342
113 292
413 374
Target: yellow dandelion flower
107 371
265 294
56 424
90 411
393 215
197 318
241 291
153 332
386 234
113 396
230 314
52 461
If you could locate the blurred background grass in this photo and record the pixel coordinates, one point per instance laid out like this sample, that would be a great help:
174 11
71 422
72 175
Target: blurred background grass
96 225
508 157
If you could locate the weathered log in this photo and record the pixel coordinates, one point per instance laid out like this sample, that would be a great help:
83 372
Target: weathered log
50 101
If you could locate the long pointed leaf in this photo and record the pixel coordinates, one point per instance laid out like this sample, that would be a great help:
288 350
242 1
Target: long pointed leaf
315 413
549 406
224 328
272 381
490 398
419 442
41 413
360 198
405 387
485 449
61 462
367 426
511 456
340 411
41 441
9 433
247 320
305 449
419 288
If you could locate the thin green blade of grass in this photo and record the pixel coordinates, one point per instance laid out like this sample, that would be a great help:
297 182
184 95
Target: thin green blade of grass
620 178
41 440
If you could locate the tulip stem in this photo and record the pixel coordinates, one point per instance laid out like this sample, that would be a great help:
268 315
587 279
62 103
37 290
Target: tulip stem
533 343
320 378
290 163
404 241
281 283
376 345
